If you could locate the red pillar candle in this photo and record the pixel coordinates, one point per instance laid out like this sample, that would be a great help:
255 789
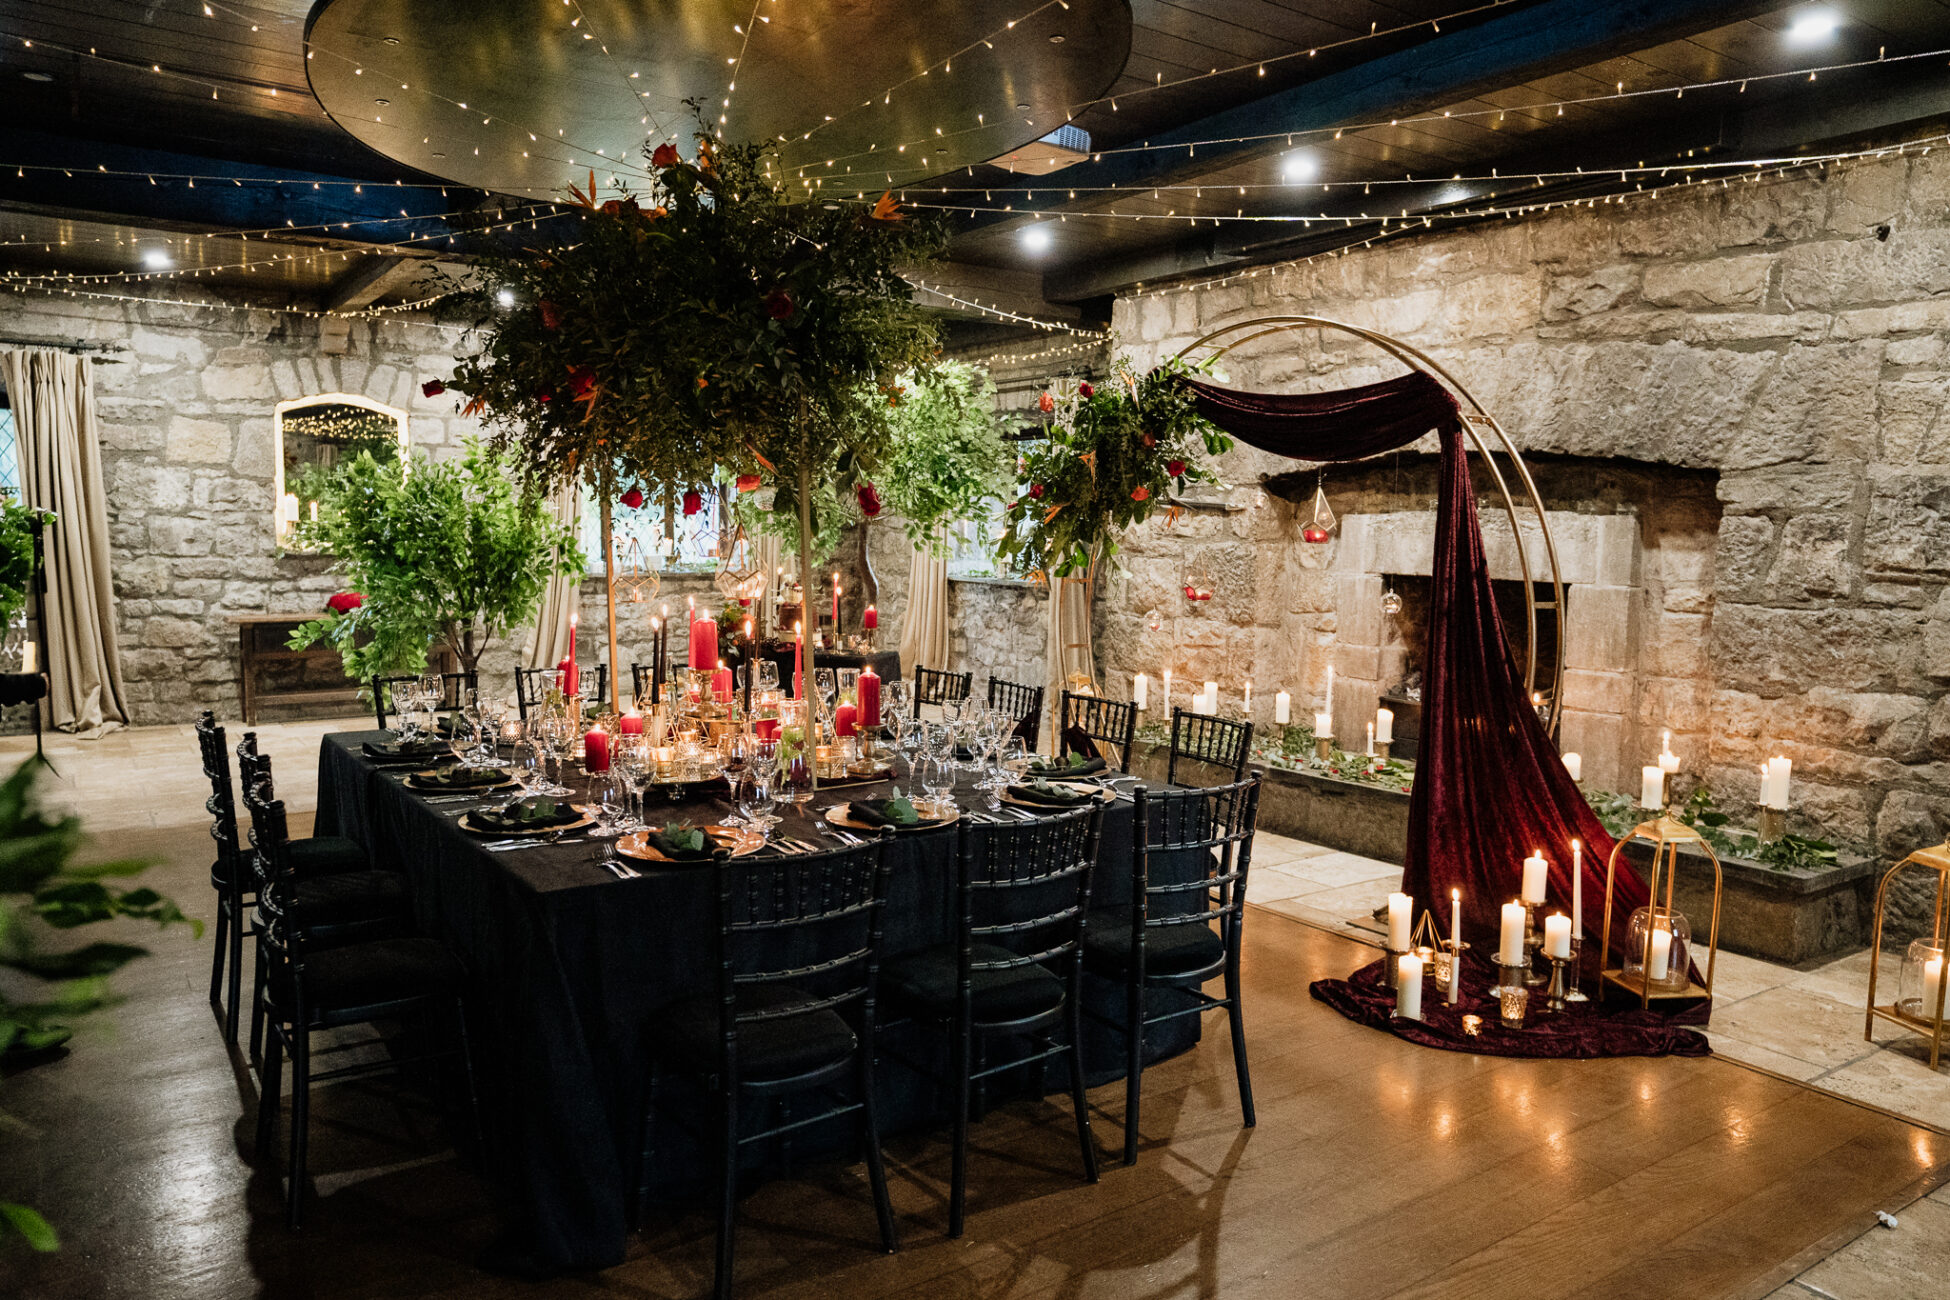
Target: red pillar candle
595 751
799 662
843 717
704 643
630 724
721 683
869 692
871 619
836 606
765 728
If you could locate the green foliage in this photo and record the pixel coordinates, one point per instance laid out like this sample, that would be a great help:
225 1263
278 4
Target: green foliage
1105 469
1620 813
17 525
453 550
41 895
946 461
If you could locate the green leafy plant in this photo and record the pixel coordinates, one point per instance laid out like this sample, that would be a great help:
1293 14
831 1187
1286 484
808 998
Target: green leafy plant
1701 811
18 524
440 550
1107 465
41 895
946 460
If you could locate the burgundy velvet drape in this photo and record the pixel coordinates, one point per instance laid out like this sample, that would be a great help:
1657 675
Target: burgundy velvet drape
1490 788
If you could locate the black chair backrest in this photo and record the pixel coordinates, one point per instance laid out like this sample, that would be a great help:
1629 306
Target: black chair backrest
222 803
270 852
1221 742
640 683
1023 703
934 687
453 692
1089 722
1208 835
532 685
1025 886
811 924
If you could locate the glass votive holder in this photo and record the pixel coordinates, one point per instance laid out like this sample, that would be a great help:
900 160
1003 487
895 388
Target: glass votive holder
1657 941
1921 981
1472 1025
1511 1003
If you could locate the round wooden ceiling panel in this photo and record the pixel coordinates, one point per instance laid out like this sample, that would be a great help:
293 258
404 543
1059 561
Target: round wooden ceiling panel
527 96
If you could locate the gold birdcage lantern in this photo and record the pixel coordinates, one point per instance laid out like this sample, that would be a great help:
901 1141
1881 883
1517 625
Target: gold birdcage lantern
739 575
1919 1002
636 577
1656 960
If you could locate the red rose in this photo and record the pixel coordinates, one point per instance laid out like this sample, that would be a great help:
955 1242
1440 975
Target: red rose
1046 403
1036 490
1140 494
779 305
432 388
665 156
581 380
546 395
1085 390
551 314
1175 468
345 602
633 498
693 501
748 482
1150 441
869 500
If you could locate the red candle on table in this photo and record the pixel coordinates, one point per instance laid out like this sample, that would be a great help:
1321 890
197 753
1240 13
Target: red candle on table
843 717
704 643
799 661
836 605
871 619
721 682
630 724
595 751
765 728
869 692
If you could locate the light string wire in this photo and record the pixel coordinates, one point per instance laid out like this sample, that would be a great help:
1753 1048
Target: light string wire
738 65
310 313
1035 322
636 99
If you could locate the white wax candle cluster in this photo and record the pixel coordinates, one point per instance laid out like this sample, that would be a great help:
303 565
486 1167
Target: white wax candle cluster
1399 906
1774 775
1509 950
1408 987
1535 872
1141 691
1282 708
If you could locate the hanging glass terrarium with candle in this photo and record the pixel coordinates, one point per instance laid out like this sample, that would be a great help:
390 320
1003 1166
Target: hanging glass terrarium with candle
636 578
1391 601
1321 524
1198 582
739 576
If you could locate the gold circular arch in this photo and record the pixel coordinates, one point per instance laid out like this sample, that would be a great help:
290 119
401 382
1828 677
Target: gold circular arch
1475 418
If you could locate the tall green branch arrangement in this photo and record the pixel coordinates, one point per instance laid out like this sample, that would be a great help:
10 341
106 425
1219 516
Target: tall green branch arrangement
18 524
455 551
1114 456
946 461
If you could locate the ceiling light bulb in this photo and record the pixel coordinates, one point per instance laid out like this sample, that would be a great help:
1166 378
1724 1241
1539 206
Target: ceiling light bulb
506 297
1299 167
157 260
1035 239
1812 27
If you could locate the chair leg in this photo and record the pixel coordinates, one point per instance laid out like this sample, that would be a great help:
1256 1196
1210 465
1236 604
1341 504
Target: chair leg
217 951
294 1196
270 1074
958 1178
1133 1066
1238 1022
1078 1101
728 1191
234 1008
883 1205
467 1073
257 1004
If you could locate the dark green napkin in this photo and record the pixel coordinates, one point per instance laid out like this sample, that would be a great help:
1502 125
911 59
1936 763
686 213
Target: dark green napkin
896 811
1071 765
1042 792
531 814
681 843
453 776
397 749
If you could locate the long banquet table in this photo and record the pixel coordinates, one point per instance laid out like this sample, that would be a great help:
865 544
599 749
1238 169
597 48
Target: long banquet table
566 963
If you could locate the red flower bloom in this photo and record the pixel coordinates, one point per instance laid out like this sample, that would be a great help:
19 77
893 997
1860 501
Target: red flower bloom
693 501
1084 389
665 155
345 602
1140 494
546 395
869 500
432 388
1175 468
551 314
1036 490
779 305
748 482
1150 441
633 498
581 380
1046 403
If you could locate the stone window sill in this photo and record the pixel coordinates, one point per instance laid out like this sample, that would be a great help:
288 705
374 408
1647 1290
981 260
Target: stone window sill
993 582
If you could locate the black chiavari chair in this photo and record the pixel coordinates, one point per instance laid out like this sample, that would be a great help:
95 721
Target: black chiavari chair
230 876
1219 742
1090 722
453 692
798 956
532 685
1023 703
1015 968
932 686
1188 873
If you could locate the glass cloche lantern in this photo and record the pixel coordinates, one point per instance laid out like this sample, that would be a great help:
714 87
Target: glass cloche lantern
1922 980
1657 943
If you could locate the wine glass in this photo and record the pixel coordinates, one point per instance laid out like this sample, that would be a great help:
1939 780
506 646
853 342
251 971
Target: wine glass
896 699
1015 758
988 735
937 781
768 676
612 803
762 760
796 781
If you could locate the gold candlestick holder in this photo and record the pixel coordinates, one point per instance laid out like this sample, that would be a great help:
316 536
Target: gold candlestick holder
1324 748
1381 748
1772 824
1508 977
1533 947
1557 995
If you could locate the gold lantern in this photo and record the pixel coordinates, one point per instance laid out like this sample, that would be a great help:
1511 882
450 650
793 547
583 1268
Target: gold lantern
1653 969
1919 1002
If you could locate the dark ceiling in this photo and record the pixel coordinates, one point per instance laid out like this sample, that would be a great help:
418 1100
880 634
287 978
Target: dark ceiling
176 125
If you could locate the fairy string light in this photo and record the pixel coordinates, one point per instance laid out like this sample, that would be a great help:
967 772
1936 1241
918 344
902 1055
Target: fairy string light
1035 322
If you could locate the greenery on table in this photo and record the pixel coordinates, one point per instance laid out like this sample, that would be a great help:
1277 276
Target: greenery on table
41 894
1620 813
455 551
18 524
1106 466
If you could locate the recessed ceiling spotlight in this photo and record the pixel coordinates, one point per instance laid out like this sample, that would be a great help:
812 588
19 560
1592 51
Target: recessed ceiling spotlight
1056 39
506 297
37 76
382 102
1813 27
1299 167
1022 108
1035 239
156 259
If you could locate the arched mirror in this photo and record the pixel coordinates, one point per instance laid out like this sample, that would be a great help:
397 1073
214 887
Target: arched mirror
314 436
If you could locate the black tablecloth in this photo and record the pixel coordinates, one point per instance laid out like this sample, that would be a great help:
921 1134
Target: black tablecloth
886 664
566 964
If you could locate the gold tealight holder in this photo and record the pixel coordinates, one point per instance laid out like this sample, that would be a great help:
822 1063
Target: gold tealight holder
1666 835
1919 1002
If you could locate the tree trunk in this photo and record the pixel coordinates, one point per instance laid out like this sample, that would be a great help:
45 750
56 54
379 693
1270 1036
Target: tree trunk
805 611
609 569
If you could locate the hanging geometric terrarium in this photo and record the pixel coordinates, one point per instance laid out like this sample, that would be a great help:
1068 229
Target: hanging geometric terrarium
1198 582
1391 602
1322 524
636 578
739 575
1153 620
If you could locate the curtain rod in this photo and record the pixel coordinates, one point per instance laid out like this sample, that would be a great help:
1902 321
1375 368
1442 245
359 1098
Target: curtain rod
80 347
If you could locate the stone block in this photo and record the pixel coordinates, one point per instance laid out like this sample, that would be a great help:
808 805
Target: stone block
172 633
1601 628
1779 651
1926 351
173 536
1834 273
148 486
1601 739
255 457
1909 820
1860 198
1794 488
1586 293
1908 528
1745 555
1716 282
1618 546
1813 558
1593 692
239 383
1908 412
178 347
1818 404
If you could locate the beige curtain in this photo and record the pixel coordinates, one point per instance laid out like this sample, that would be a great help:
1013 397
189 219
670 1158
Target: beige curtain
1072 664
551 640
53 398
924 632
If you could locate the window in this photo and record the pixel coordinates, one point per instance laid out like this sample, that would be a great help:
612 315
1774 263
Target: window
9 453
314 435
971 546
695 541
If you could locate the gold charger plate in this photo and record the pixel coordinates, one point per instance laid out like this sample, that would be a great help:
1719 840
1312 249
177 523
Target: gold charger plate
1102 794
496 832
741 843
416 782
840 815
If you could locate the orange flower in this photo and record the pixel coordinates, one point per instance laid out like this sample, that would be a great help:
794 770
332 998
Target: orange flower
888 208
1140 494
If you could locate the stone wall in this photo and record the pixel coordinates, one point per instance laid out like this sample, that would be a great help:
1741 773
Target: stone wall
1763 332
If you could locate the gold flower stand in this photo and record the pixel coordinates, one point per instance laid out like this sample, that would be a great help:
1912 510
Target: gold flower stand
1666 835
1929 1026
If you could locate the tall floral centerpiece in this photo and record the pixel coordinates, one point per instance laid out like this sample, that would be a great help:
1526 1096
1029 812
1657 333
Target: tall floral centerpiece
710 326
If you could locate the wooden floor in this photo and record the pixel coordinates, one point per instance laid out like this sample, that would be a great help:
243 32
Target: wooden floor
1377 1170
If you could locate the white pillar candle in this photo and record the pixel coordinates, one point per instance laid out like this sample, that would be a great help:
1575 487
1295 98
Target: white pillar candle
1282 708
1932 983
1577 887
1408 987
1246 704
1668 761
1399 906
1211 697
1455 977
1535 873
1774 781
1652 788
1371 740
1140 690
1510 950
1574 764
1166 706
30 658
1557 935
1324 725
1658 955
1384 725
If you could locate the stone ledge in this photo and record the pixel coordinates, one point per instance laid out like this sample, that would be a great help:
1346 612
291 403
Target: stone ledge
995 582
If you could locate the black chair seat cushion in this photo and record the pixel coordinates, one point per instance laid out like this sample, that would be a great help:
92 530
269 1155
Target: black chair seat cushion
927 982
347 897
341 982
1169 950
688 1033
326 855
